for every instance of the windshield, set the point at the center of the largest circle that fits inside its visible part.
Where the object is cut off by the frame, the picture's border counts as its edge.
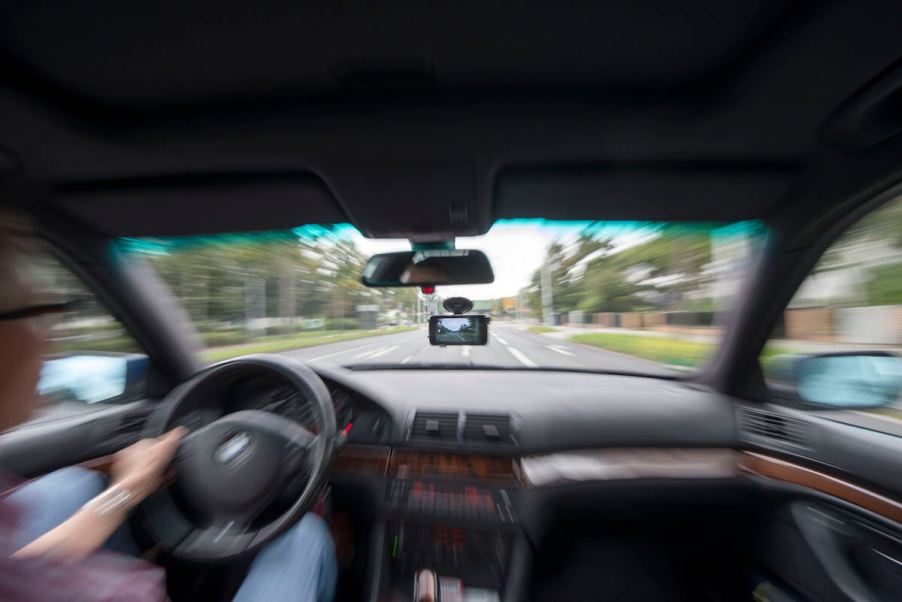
(608, 296)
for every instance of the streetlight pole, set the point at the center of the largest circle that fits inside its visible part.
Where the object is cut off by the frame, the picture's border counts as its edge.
(547, 298)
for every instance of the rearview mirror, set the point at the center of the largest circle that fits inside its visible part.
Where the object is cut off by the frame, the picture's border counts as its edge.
(844, 380)
(428, 268)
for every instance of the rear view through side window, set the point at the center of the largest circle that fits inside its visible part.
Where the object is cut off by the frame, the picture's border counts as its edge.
(838, 347)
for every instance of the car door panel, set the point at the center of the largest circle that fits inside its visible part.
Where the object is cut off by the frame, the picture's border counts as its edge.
(835, 531)
(40, 447)
(828, 553)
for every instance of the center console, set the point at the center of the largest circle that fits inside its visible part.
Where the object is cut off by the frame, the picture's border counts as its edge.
(453, 514)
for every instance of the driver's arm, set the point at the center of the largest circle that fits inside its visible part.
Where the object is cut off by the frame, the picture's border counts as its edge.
(137, 471)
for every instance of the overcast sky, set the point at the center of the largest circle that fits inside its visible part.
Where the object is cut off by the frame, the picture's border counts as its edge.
(515, 249)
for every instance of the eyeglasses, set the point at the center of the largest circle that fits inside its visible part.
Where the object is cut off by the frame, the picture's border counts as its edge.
(34, 311)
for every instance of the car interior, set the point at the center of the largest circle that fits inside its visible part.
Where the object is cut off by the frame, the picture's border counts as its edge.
(430, 122)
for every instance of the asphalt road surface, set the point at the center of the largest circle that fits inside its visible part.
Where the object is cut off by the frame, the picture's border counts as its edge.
(508, 346)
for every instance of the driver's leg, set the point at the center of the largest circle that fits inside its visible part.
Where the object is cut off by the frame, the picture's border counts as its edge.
(299, 566)
(47, 502)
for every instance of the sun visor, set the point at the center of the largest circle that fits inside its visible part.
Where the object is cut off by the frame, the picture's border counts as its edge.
(423, 202)
(177, 206)
(665, 192)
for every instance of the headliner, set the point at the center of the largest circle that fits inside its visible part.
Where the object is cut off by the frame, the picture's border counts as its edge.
(426, 120)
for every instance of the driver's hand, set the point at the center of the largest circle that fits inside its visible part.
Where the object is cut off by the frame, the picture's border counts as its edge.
(141, 467)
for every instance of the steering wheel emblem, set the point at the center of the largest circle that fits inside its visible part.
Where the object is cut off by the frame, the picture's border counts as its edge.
(235, 449)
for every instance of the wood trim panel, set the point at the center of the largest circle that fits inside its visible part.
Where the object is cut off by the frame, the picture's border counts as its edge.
(427, 464)
(597, 465)
(787, 472)
(361, 458)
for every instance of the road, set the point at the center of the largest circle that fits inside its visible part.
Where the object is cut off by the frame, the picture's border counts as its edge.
(508, 346)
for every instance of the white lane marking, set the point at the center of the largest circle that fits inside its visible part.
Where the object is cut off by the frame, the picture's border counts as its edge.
(407, 359)
(499, 339)
(370, 352)
(559, 349)
(465, 351)
(523, 359)
(351, 350)
(383, 351)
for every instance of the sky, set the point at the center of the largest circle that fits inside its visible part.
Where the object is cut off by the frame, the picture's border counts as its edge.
(515, 252)
(515, 249)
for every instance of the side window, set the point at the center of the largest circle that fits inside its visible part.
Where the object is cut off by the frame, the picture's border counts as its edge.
(90, 358)
(839, 346)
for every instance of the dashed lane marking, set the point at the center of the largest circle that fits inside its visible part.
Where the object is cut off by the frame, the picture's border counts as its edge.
(561, 350)
(383, 351)
(523, 359)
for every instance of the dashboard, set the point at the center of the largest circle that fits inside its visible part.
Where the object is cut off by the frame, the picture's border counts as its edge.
(468, 496)
(468, 506)
(548, 412)
(357, 418)
(529, 412)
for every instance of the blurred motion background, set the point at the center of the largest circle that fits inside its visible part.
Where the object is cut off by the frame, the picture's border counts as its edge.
(655, 291)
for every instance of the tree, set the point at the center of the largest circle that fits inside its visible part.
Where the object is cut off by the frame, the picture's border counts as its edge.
(590, 275)
(217, 278)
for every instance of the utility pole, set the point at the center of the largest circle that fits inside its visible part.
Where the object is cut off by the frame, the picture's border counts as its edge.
(520, 304)
(547, 299)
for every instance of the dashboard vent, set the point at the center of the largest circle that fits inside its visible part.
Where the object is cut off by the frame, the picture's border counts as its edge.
(431, 426)
(489, 428)
(773, 426)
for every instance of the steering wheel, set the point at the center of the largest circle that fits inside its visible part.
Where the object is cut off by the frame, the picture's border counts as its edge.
(230, 471)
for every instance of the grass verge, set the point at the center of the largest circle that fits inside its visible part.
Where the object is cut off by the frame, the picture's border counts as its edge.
(891, 412)
(665, 350)
(541, 329)
(275, 344)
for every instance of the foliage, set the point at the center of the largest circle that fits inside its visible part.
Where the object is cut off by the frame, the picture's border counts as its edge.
(116, 344)
(879, 228)
(342, 324)
(884, 285)
(230, 279)
(661, 271)
(223, 337)
(705, 305)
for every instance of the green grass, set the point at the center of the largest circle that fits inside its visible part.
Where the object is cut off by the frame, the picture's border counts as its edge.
(542, 329)
(664, 350)
(116, 344)
(275, 344)
(890, 412)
